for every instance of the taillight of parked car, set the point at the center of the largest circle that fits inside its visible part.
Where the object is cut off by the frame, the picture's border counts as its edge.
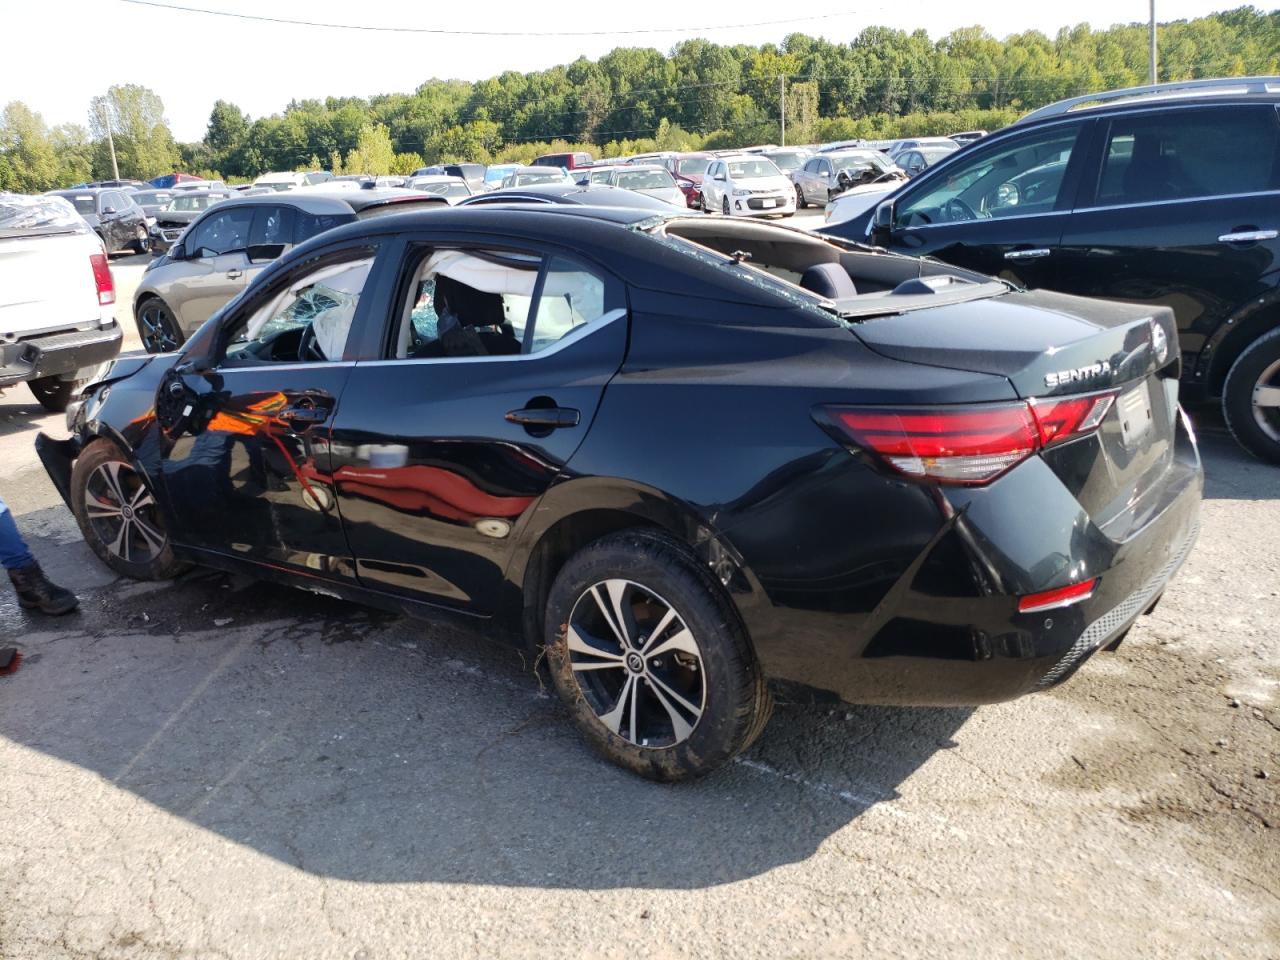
(102, 279)
(968, 444)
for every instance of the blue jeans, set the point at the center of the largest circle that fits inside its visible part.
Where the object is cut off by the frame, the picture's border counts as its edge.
(13, 549)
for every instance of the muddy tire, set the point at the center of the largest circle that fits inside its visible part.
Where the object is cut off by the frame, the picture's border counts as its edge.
(647, 652)
(1251, 398)
(118, 515)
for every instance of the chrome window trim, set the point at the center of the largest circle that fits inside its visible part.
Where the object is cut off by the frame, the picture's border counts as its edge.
(587, 329)
(288, 365)
(970, 223)
(1164, 203)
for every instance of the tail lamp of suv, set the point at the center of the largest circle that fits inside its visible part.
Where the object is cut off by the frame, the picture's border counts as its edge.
(102, 279)
(967, 444)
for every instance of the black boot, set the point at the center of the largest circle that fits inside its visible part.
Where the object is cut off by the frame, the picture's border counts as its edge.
(35, 591)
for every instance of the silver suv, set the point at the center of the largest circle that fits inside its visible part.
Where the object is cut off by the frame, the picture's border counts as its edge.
(219, 253)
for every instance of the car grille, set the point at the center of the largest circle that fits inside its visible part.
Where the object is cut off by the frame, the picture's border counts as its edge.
(1110, 623)
(757, 203)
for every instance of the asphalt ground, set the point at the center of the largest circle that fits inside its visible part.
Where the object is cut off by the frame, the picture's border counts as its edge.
(219, 768)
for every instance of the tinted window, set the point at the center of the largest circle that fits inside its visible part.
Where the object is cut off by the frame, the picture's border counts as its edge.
(271, 225)
(307, 225)
(1020, 176)
(220, 233)
(1183, 154)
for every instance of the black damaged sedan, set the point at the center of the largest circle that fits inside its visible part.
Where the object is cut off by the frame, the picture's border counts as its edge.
(684, 455)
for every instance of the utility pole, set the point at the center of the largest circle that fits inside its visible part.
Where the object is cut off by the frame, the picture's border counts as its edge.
(1153, 41)
(111, 143)
(782, 105)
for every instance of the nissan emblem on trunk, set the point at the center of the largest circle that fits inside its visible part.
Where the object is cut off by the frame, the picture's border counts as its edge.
(1159, 342)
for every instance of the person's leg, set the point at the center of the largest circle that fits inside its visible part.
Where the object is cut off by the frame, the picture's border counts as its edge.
(34, 589)
(13, 549)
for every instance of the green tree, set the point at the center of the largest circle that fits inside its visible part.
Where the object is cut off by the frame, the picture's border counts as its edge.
(373, 153)
(31, 161)
(143, 143)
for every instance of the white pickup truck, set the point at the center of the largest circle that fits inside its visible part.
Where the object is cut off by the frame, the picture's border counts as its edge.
(57, 299)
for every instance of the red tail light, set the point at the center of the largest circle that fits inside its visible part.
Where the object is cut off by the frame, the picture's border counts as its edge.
(1066, 418)
(967, 444)
(102, 279)
(1061, 597)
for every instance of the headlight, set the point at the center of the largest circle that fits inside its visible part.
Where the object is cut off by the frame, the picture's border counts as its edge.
(741, 193)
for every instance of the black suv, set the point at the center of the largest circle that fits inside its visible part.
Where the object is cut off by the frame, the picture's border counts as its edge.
(1166, 195)
(113, 215)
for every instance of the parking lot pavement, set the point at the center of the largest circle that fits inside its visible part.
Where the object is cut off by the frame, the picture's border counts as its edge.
(126, 271)
(217, 768)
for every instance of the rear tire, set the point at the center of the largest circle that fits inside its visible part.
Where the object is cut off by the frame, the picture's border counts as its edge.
(672, 703)
(55, 394)
(1252, 417)
(119, 516)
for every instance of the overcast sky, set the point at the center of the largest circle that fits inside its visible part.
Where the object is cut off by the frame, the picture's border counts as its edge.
(59, 54)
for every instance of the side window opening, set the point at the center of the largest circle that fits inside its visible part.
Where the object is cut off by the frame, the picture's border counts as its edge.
(1184, 154)
(489, 303)
(307, 320)
(1022, 177)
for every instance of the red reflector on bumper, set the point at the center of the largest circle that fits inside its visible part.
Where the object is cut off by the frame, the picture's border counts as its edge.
(1061, 597)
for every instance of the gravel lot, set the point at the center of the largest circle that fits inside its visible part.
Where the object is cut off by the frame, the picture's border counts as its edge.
(217, 768)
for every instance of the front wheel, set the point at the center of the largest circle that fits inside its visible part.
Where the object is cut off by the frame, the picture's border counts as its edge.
(724, 206)
(650, 658)
(119, 516)
(1251, 398)
(801, 202)
(142, 241)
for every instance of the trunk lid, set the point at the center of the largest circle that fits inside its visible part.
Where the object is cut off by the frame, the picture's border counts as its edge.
(1052, 345)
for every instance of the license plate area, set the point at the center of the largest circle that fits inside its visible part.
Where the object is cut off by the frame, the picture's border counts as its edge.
(768, 203)
(1133, 409)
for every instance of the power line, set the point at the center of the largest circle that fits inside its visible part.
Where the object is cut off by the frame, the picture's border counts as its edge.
(441, 31)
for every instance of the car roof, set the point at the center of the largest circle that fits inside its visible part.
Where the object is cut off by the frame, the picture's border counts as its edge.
(1214, 91)
(316, 200)
(573, 194)
(80, 191)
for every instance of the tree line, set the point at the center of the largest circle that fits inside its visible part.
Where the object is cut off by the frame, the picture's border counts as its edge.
(881, 84)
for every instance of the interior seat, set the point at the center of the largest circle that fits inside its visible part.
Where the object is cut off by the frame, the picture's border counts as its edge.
(829, 280)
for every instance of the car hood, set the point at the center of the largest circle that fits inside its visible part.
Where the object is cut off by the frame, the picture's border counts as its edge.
(177, 216)
(781, 184)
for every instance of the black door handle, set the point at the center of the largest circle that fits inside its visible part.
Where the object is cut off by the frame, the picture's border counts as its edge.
(547, 417)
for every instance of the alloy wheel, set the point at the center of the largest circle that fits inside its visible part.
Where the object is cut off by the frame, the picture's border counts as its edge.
(122, 513)
(636, 663)
(1266, 401)
(724, 206)
(156, 328)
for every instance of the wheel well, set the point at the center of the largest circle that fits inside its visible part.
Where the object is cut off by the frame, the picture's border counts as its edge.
(565, 538)
(1247, 330)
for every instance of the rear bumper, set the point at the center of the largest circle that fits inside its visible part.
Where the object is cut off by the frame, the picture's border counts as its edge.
(65, 353)
(18, 362)
(945, 629)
